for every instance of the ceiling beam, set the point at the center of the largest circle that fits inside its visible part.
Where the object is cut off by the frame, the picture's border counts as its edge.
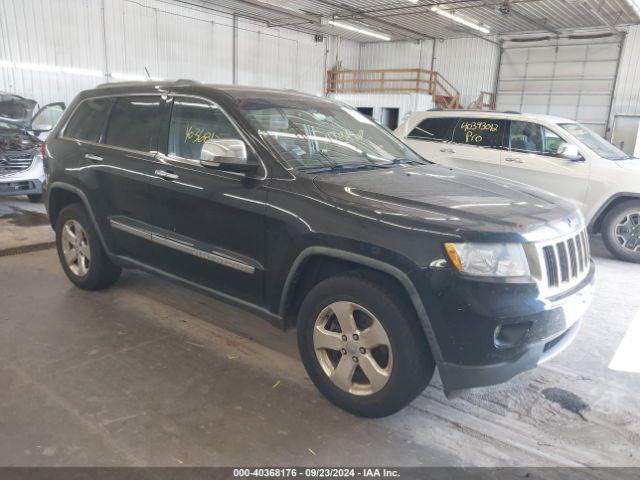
(538, 22)
(596, 13)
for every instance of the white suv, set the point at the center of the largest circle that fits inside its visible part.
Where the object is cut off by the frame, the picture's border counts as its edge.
(551, 153)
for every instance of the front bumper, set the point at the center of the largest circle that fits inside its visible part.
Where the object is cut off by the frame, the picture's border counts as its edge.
(473, 316)
(26, 182)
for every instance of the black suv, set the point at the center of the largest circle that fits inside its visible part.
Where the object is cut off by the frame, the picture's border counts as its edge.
(306, 212)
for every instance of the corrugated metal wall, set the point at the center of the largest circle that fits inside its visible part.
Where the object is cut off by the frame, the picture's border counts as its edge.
(470, 64)
(344, 52)
(627, 95)
(80, 43)
(397, 55)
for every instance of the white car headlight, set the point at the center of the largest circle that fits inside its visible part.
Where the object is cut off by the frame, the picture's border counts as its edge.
(489, 259)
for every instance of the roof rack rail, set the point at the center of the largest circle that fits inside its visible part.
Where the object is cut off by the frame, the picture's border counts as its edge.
(512, 111)
(180, 81)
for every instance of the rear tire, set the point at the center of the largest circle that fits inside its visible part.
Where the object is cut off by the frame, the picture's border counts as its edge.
(379, 380)
(35, 198)
(81, 254)
(621, 231)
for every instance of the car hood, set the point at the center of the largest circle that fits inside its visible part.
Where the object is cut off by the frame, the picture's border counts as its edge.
(451, 199)
(630, 164)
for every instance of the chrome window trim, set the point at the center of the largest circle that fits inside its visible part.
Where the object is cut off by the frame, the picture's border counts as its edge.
(165, 95)
(183, 247)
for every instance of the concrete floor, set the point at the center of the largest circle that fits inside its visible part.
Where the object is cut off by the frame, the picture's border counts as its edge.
(23, 225)
(148, 373)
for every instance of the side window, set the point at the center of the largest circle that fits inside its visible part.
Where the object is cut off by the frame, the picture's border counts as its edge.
(551, 142)
(437, 129)
(526, 137)
(480, 132)
(88, 120)
(135, 123)
(193, 122)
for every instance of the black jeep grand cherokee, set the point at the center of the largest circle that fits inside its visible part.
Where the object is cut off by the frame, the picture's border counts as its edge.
(306, 212)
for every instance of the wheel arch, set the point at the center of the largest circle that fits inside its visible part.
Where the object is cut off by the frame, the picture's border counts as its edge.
(60, 195)
(295, 287)
(595, 225)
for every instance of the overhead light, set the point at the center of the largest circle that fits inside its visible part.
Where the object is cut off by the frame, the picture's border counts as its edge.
(460, 20)
(635, 5)
(353, 28)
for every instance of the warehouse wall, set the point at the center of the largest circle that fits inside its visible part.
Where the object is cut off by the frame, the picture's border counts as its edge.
(470, 64)
(627, 94)
(81, 45)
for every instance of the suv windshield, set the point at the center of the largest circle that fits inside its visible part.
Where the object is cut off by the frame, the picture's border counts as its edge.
(594, 141)
(323, 134)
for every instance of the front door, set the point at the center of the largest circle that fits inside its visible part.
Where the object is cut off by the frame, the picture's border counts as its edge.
(531, 158)
(210, 225)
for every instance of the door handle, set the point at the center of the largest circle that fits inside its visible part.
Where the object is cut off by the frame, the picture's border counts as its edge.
(167, 175)
(93, 158)
(447, 150)
(513, 160)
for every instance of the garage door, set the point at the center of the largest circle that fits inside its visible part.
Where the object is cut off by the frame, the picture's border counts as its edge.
(572, 80)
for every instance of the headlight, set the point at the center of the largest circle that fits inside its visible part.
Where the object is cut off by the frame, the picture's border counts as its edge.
(489, 259)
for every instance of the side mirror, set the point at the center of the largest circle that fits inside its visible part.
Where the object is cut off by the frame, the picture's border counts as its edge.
(229, 155)
(570, 152)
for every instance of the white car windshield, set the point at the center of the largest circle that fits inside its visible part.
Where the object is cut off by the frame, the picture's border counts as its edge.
(594, 141)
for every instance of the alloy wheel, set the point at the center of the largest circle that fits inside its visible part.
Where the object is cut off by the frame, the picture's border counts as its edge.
(75, 247)
(627, 231)
(352, 348)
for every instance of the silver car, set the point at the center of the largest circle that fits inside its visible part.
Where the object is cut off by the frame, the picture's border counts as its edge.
(21, 139)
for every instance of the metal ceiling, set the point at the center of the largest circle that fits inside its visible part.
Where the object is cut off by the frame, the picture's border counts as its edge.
(406, 20)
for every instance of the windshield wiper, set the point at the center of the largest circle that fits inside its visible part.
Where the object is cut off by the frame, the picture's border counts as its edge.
(341, 167)
(398, 161)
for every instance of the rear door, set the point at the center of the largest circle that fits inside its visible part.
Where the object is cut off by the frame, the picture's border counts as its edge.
(122, 169)
(531, 158)
(209, 223)
(476, 145)
(431, 136)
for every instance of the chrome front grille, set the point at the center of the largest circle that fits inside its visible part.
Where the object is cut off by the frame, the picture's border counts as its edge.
(565, 261)
(15, 162)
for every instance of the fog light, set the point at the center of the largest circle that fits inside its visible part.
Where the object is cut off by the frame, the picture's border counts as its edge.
(507, 336)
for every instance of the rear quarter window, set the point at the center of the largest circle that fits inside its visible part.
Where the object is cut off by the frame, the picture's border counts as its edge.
(88, 120)
(436, 129)
(479, 132)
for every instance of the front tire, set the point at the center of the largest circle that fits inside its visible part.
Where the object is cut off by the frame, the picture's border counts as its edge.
(621, 231)
(35, 198)
(81, 254)
(362, 345)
